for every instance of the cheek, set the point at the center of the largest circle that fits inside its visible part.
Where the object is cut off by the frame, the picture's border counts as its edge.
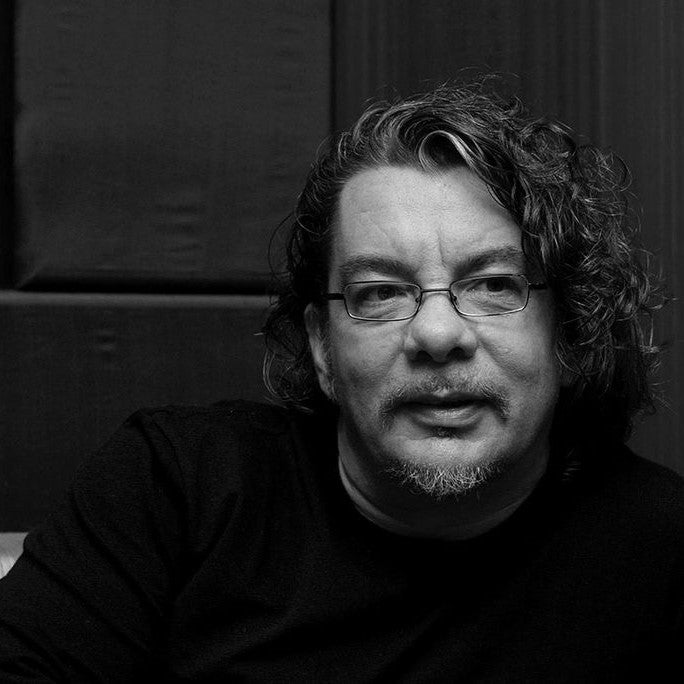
(363, 358)
(530, 364)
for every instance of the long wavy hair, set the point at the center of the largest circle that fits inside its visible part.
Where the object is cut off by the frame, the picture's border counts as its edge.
(570, 202)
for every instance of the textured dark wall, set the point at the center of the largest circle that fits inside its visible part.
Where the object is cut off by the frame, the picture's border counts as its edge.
(74, 366)
(158, 144)
(6, 142)
(156, 147)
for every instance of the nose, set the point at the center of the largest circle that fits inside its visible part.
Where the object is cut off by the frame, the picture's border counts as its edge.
(438, 332)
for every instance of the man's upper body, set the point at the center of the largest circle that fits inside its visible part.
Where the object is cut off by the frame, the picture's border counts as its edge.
(447, 496)
(220, 544)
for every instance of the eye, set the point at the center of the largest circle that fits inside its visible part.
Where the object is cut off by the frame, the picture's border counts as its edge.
(493, 285)
(385, 292)
(372, 293)
(497, 284)
(381, 300)
(492, 294)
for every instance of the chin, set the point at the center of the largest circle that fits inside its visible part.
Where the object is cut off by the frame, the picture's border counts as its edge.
(444, 474)
(442, 480)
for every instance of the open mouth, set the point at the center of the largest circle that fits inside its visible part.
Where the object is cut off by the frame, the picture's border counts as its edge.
(459, 413)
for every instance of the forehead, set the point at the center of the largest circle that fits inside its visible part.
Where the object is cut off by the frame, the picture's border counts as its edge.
(427, 224)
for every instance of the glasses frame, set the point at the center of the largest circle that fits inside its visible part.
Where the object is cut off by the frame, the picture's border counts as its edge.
(334, 296)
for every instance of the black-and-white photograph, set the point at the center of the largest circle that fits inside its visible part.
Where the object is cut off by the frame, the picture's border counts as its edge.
(342, 341)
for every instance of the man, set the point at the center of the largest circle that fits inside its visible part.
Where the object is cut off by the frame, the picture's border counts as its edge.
(445, 494)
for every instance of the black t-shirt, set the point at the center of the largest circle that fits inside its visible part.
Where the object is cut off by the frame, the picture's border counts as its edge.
(218, 544)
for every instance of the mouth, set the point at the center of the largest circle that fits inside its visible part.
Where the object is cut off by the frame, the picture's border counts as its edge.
(454, 412)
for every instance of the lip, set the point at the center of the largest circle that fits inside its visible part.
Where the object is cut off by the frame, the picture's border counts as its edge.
(454, 412)
(441, 398)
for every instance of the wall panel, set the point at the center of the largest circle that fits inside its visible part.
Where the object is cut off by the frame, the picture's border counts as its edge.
(6, 142)
(158, 144)
(150, 147)
(74, 366)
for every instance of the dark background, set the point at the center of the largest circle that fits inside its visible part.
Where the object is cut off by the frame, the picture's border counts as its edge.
(149, 148)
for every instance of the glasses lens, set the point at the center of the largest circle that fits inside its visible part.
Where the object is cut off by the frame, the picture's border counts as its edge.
(382, 301)
(490, 295)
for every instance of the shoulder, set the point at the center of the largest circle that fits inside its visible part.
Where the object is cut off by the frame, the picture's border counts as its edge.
(632, 496)
(638, 480)
(201, 465)
(195, 425)
(217, 441)
(188, 449)
(653, 488)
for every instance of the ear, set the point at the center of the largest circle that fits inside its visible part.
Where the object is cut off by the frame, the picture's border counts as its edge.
(317, 345)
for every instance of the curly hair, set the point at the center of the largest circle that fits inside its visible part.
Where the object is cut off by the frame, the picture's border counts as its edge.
(570, 202)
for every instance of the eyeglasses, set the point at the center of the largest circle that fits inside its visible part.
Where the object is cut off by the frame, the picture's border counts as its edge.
(386, 300)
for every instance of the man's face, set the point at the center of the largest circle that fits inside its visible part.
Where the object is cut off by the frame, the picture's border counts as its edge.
(438, 391)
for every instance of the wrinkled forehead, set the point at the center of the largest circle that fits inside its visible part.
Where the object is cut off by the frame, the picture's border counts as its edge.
(444, 219)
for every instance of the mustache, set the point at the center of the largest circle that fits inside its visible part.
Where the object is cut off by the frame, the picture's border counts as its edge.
(481, 389)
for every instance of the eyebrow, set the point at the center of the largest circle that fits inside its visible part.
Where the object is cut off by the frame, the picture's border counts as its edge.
(376, 263)
(499, 255)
